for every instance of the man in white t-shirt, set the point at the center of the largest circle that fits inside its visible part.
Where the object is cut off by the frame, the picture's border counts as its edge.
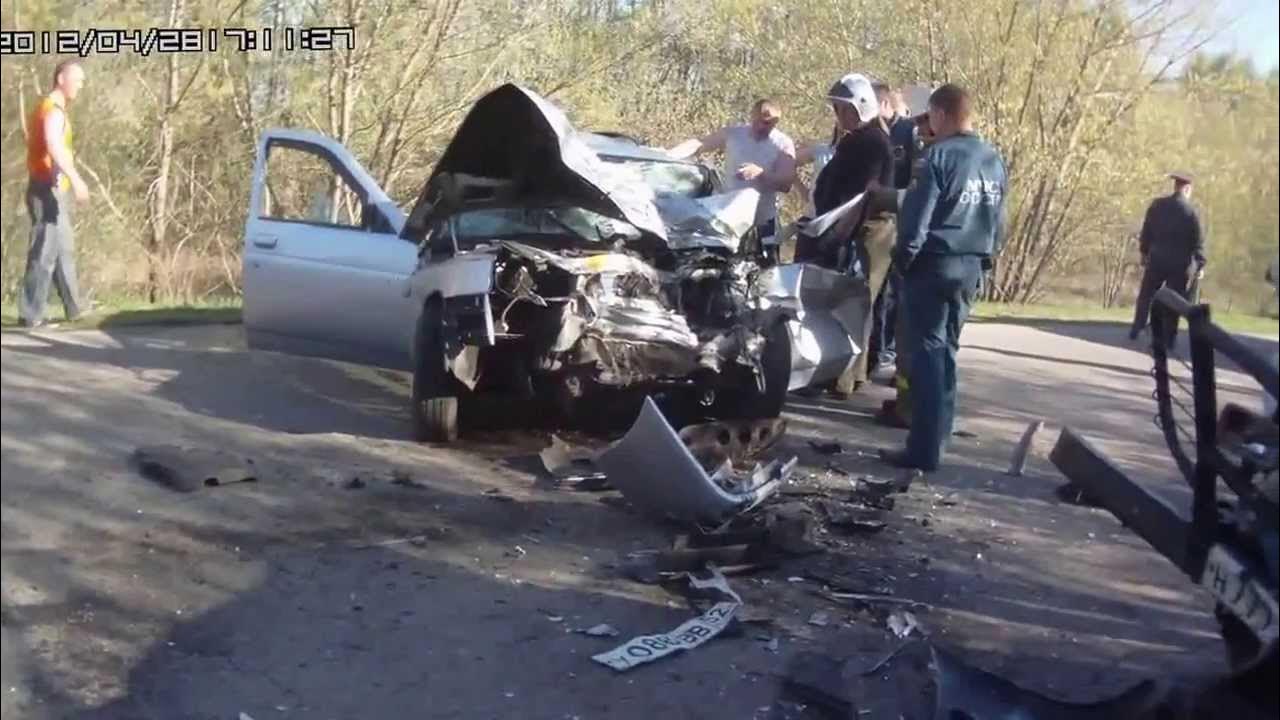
(757, 155)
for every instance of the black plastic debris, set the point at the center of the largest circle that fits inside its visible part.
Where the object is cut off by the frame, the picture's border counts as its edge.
(1073, 494)
(186, 469)
(402, 478)
(826, 447)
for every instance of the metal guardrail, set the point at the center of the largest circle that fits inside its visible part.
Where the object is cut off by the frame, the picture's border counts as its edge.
(1196, 451)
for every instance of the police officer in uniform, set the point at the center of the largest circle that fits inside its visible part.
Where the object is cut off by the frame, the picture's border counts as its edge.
(1172, 247)
(949, 229)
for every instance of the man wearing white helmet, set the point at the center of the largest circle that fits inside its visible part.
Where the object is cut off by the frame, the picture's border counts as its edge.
(863, 160)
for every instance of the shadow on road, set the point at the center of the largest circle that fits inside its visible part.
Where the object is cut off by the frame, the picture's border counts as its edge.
(1116, 335)
(223, 380)
(396, 601)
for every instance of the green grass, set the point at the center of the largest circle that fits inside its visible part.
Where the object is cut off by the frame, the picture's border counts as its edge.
(118, 313)
(1233, 322)
(227, 310)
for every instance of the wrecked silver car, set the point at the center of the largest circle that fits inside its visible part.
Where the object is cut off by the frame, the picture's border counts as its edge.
(540, 263)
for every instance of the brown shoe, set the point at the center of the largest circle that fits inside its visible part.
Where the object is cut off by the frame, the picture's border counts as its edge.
(889, 417)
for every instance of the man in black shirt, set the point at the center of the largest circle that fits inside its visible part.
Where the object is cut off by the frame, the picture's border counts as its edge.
(863, 159)
(1172, 246)
(882, 352)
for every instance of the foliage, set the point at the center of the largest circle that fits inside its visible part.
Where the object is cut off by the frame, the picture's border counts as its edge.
(1084, 98)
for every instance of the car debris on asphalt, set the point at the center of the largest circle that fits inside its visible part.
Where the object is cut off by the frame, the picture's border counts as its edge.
(1023, 448)
(689, 635)
(187, 469)
(820, 619)
(656, 471)
(826, 447)
(903, 624)
(566, 463)
(601, 630)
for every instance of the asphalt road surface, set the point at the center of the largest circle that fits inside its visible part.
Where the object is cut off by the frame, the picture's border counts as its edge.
(447, 582)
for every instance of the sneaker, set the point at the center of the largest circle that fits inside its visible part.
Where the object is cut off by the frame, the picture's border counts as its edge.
(90, 307)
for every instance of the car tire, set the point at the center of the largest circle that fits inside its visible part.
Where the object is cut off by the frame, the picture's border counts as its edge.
(775, 361)
(434, 394)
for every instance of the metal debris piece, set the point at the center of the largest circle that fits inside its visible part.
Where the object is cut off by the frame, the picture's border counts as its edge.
(851, 518)
(601, 630)
(186, 469)
(689, 635)
(731, 559)
(820, 619)
(832, 467)
(826, 447)
(498, 495)
(903, 623)
(1019, 460)
(567, 463)
(948, 500)
(655, 471)
(1073, 494)
(714, 443)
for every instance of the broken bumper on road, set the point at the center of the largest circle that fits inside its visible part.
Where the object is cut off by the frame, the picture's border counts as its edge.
(656, 471)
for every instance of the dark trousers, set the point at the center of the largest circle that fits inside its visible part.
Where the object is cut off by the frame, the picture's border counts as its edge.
(1177, 278)
(51, 257)
(874, 241)
(938, 293)
(883, 348)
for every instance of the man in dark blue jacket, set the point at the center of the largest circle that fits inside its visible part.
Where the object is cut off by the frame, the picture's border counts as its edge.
(949, 229)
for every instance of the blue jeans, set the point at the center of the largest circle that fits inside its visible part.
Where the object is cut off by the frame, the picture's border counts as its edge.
(883, 346)
(51, 258)
(938, 293)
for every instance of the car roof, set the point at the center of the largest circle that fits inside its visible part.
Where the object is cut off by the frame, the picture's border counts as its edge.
(621, 147)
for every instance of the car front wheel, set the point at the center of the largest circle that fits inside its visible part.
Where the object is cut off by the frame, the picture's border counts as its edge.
(749, 402)
(435, 390)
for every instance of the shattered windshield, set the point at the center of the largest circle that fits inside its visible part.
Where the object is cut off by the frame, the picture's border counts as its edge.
(502, 223)
(667, 178)
(680, 192)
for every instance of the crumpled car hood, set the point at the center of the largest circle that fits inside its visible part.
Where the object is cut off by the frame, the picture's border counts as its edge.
(527, 149)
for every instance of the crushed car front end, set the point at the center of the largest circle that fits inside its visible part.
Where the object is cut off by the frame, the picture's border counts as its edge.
(557, 269)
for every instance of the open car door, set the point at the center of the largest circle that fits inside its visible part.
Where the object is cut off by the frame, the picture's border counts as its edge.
(325, 268)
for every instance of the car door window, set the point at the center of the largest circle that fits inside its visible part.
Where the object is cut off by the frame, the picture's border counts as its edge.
(305, 187)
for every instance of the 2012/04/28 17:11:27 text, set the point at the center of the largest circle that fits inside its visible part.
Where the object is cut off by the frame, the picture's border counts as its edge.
(168, 40)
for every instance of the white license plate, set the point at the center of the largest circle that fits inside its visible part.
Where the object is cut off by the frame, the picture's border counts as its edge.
(1229, 581)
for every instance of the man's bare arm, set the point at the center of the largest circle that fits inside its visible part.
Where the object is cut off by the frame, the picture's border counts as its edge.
(689, 148)
(806, 154)
(53, 124)
(779, 177)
